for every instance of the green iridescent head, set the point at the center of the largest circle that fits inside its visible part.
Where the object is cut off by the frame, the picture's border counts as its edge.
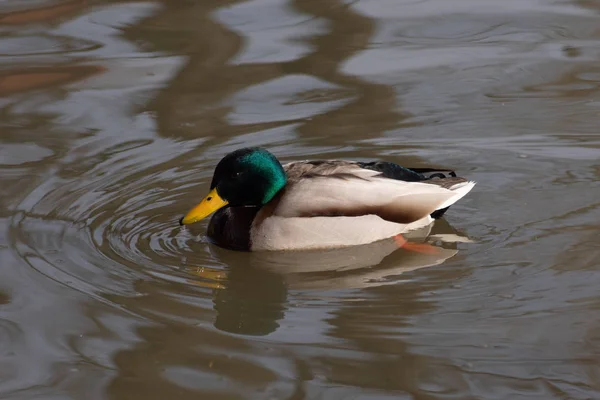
(246, 177)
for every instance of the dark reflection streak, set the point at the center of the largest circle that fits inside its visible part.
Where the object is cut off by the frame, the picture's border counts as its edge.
(376, 109)
(22, 80)
(189, 106)
(42, 14)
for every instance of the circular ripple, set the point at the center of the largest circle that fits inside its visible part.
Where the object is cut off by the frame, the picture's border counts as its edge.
(113, 225)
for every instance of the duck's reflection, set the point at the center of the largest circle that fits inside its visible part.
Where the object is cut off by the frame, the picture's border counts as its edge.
(251, 296)
(251, 302)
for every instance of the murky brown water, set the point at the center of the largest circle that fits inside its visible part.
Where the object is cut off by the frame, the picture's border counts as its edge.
(114, 113)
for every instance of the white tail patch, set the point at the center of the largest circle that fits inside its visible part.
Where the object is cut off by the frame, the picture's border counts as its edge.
(460, 190)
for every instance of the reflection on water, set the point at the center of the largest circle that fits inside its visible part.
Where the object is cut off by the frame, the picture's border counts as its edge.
(251, 296)
(114, 114)
(16, 81)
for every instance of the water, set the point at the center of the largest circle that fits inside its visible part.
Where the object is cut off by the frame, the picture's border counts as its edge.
(114, 113)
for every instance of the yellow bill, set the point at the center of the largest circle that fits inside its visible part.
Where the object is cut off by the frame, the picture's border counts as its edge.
(211, 203)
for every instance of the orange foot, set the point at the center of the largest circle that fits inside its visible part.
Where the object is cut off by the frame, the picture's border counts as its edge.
(424, 248)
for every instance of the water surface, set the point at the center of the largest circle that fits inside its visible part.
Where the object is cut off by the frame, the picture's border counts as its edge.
(114, 113)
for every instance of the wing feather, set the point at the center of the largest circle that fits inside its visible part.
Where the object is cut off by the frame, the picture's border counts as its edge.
(345, 188)
(392, 200)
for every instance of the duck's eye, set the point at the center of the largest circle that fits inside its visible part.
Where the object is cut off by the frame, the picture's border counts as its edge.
(235, 174)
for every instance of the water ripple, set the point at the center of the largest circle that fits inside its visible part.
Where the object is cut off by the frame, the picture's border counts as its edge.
(115, 114)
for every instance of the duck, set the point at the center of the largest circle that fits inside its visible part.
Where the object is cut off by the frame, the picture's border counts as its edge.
(259, 204)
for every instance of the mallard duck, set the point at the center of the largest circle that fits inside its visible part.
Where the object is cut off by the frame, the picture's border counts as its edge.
(259, 204)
